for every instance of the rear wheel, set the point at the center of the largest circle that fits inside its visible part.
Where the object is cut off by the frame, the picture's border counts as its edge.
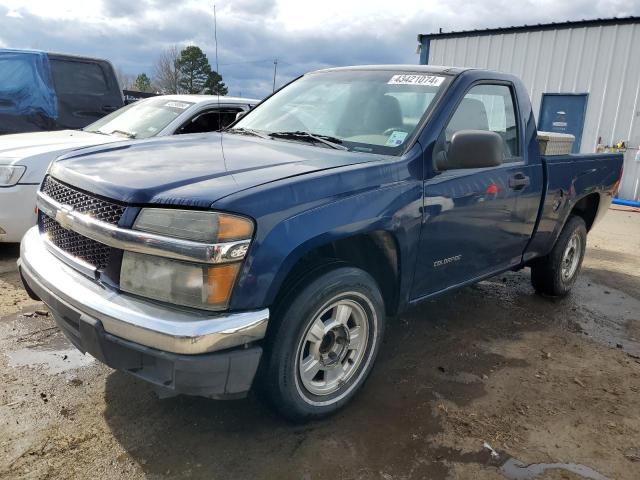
(556, 273)
(324, 344)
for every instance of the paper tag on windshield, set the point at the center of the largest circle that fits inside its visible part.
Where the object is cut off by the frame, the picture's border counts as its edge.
(429, 80)
(396, 138)
(179, 105)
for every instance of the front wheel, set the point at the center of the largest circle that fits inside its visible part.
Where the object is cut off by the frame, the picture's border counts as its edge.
(324, 344)
(556, 273)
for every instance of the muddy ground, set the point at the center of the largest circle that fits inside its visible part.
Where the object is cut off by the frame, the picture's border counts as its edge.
(541, 381)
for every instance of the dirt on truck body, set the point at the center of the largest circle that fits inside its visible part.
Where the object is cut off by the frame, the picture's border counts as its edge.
(488, 382)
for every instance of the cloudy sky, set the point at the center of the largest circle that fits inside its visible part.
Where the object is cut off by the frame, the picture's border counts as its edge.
(302, 35)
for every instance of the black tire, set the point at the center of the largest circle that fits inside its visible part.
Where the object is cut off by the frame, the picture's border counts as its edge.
(281, 378)
(547, 274)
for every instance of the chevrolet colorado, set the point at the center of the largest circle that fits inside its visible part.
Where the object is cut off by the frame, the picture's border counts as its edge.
(271, 253)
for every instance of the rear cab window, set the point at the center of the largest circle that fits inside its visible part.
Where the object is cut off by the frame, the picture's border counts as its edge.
(78, 77)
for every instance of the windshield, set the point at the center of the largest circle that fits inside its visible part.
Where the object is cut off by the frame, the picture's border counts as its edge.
(142, 119)
(367, 111)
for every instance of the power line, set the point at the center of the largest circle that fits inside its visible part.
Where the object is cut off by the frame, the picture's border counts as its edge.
(248, 61)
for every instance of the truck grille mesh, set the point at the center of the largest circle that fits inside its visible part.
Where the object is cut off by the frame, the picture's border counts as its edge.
(82, 202)
(76, 245)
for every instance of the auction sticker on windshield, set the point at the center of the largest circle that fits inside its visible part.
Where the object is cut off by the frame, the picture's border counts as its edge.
(430, 80)
(396, 138)
(180, 105)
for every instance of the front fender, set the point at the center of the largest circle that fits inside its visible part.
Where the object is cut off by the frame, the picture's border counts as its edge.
(394, 208)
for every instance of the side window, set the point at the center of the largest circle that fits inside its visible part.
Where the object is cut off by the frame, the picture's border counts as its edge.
(80, 78)
(491, 108)
(209, 121)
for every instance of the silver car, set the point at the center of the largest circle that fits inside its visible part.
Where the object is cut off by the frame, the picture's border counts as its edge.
(25, 157)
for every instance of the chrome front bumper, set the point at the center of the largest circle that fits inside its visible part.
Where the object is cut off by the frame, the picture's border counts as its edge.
(144, 322)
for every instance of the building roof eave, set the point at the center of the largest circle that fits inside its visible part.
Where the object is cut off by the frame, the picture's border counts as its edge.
(596, 22)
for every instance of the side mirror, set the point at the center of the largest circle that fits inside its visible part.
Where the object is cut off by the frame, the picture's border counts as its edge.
(239, 115)
(472, 149)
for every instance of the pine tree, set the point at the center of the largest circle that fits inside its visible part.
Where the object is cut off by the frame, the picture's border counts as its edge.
(195, 70)
(142, 83)
(215, 85)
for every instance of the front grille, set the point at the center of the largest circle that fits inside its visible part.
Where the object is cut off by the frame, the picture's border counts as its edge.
(76, 245)
(83, 202)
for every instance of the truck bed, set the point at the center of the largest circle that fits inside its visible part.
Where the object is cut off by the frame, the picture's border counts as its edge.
(568, 180)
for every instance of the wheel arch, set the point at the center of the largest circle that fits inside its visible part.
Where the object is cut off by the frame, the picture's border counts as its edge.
(586, 208)
(377, 252)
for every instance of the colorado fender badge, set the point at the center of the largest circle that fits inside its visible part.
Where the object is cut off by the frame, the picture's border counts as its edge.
(446, 261)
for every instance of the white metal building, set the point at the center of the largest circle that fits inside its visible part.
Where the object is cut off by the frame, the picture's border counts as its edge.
(583, 77)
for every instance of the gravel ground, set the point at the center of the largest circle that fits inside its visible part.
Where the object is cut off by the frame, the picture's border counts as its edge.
(553, 384)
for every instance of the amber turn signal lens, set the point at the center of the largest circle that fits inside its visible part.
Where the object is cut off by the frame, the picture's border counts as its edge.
(220, 281)
(231, 227)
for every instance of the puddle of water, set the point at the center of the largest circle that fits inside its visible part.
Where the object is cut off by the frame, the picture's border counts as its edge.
(514, 469)
(608, 316)
(52, 361)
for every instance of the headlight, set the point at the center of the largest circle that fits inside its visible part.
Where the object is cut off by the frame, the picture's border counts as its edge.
(208, 227)
(206, 286)
(11, 174)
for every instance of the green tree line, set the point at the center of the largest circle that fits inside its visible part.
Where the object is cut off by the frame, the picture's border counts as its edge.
(179, 71)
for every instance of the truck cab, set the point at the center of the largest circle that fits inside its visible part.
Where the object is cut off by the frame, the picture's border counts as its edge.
(42, 91)
(269, 255)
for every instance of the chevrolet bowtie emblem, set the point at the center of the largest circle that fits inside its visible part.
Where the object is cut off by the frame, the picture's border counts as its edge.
(64, 216)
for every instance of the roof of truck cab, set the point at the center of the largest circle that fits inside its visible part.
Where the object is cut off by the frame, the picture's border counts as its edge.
(51, 54)
(210, 98)
(399, 68)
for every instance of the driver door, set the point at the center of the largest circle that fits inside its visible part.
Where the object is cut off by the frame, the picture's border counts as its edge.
(476, 221)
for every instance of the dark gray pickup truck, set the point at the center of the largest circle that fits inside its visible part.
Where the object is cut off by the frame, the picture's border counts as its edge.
(269, 255)
(42, 91)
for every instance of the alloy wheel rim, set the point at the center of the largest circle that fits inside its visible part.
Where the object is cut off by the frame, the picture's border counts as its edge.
(571, 257)
(333, 347)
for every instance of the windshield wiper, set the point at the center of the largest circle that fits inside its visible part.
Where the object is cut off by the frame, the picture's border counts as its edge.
(332, 142)
(94, 131)
(122, 132)
(246, 131)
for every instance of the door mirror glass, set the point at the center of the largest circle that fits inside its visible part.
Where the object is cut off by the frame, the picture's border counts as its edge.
(472, 149)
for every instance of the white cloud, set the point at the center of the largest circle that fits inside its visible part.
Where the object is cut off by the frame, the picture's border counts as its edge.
(303, 35)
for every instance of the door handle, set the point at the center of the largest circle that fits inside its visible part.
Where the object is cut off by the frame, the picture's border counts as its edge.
(519, 181)
(109, 108)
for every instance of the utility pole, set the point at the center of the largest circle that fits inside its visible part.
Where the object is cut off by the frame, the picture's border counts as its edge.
(275, 69)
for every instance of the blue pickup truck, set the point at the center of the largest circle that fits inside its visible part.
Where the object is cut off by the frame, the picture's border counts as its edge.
(269, 255)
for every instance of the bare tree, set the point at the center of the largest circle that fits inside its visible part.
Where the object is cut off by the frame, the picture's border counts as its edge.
(166, 71)
(124, 79)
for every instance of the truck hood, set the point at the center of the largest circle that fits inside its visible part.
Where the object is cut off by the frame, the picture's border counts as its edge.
(193, 170)
(37, 150)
